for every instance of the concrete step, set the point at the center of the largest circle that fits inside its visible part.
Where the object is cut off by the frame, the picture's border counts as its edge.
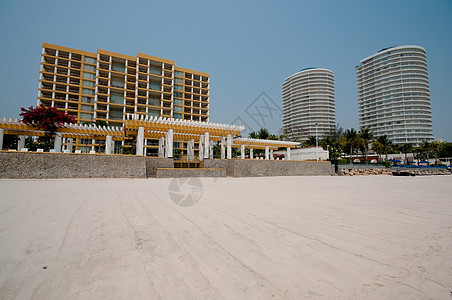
(192, 172)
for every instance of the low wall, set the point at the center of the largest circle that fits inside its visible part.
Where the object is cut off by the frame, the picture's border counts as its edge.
(153, 163)
(59, 165)
(17, 165)
(256, 168)
(179, 173)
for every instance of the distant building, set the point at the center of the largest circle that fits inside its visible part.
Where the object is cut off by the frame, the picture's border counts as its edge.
(308, 103)
(393, 95)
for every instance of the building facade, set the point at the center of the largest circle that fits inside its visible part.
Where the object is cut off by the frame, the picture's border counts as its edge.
(393, 95)
(308, 103)
(106, 86)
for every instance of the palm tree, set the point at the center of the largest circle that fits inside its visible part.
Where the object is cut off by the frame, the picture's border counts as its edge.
(366, 135)
(310, 142)
(426, 147)
(436, 148)
(405, 148)
(377, 147)
(351, 138)
(263, 134)
(385, 145)
(253, 135)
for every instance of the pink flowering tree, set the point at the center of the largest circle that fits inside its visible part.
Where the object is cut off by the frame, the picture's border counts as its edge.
(47, 119)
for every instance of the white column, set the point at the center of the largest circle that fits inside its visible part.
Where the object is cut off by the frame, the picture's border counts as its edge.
(206, 145)
(57, 142)
(251, 153)
(108, 140)
(271, 154)
(222, 142)
(288, 154)
(161, 147)
(70, 144)
(170, 143)
(211, 149)
(229, 146)
(201, 147)
(267, 154)
(2, 133)
(166, 145)
(190, 150)
(242, 151)
(21, 142)
(139, 145)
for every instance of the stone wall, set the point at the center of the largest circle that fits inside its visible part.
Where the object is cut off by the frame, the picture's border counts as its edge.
(178, 173)
(152, 163)
(59, 165)
(256, 168)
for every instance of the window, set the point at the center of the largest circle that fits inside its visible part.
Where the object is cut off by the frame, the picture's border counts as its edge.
(178, 108)
(117, 82)
(117, 98)
(178, 94)
(179, 74)
(89, 75)
(89, 68)
(118, 67)
(116, 114)
(178, 80)
(87, 99)
(87, 107)
(153, 113)
(155, 70)
(154, 85)
(177, 116)
(85, 141)
(155, 102)
(88, 83)
(178, 102)
(87, 91)
(86, 116)
(90, 60)
(178, 87)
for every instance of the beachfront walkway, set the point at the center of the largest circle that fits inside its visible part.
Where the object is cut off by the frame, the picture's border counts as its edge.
(259, 238)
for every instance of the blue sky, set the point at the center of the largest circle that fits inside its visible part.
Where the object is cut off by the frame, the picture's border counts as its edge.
(248, 47)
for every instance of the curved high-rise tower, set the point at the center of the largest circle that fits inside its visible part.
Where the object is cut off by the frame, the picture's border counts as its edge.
(308, 103)
(393, 95)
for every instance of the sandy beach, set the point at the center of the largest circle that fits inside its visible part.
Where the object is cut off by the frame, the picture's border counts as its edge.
(374, 237)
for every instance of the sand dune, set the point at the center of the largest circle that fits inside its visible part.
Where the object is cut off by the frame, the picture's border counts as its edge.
(378, 237)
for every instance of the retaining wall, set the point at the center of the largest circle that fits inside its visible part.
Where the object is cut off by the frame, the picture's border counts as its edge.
(256, 168)
(179, 173)
(16, 165)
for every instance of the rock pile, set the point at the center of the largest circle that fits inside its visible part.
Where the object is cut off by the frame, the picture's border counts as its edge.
(414, 172)
(421, 172)
(366, 172)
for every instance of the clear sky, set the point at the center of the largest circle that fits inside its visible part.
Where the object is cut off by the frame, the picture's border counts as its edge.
(248, 47)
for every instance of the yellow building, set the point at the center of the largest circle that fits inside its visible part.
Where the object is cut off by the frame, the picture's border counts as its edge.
(105, 86)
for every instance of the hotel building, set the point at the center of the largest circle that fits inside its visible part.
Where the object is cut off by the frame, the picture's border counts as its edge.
(106, 86)
(308, 103)
(393, 95)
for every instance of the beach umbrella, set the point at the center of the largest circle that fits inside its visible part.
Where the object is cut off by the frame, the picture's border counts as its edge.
(373, 161)
(424, 162)
(396, 160)
(356, 160)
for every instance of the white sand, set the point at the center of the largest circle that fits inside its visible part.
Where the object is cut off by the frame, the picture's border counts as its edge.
(377, 237)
